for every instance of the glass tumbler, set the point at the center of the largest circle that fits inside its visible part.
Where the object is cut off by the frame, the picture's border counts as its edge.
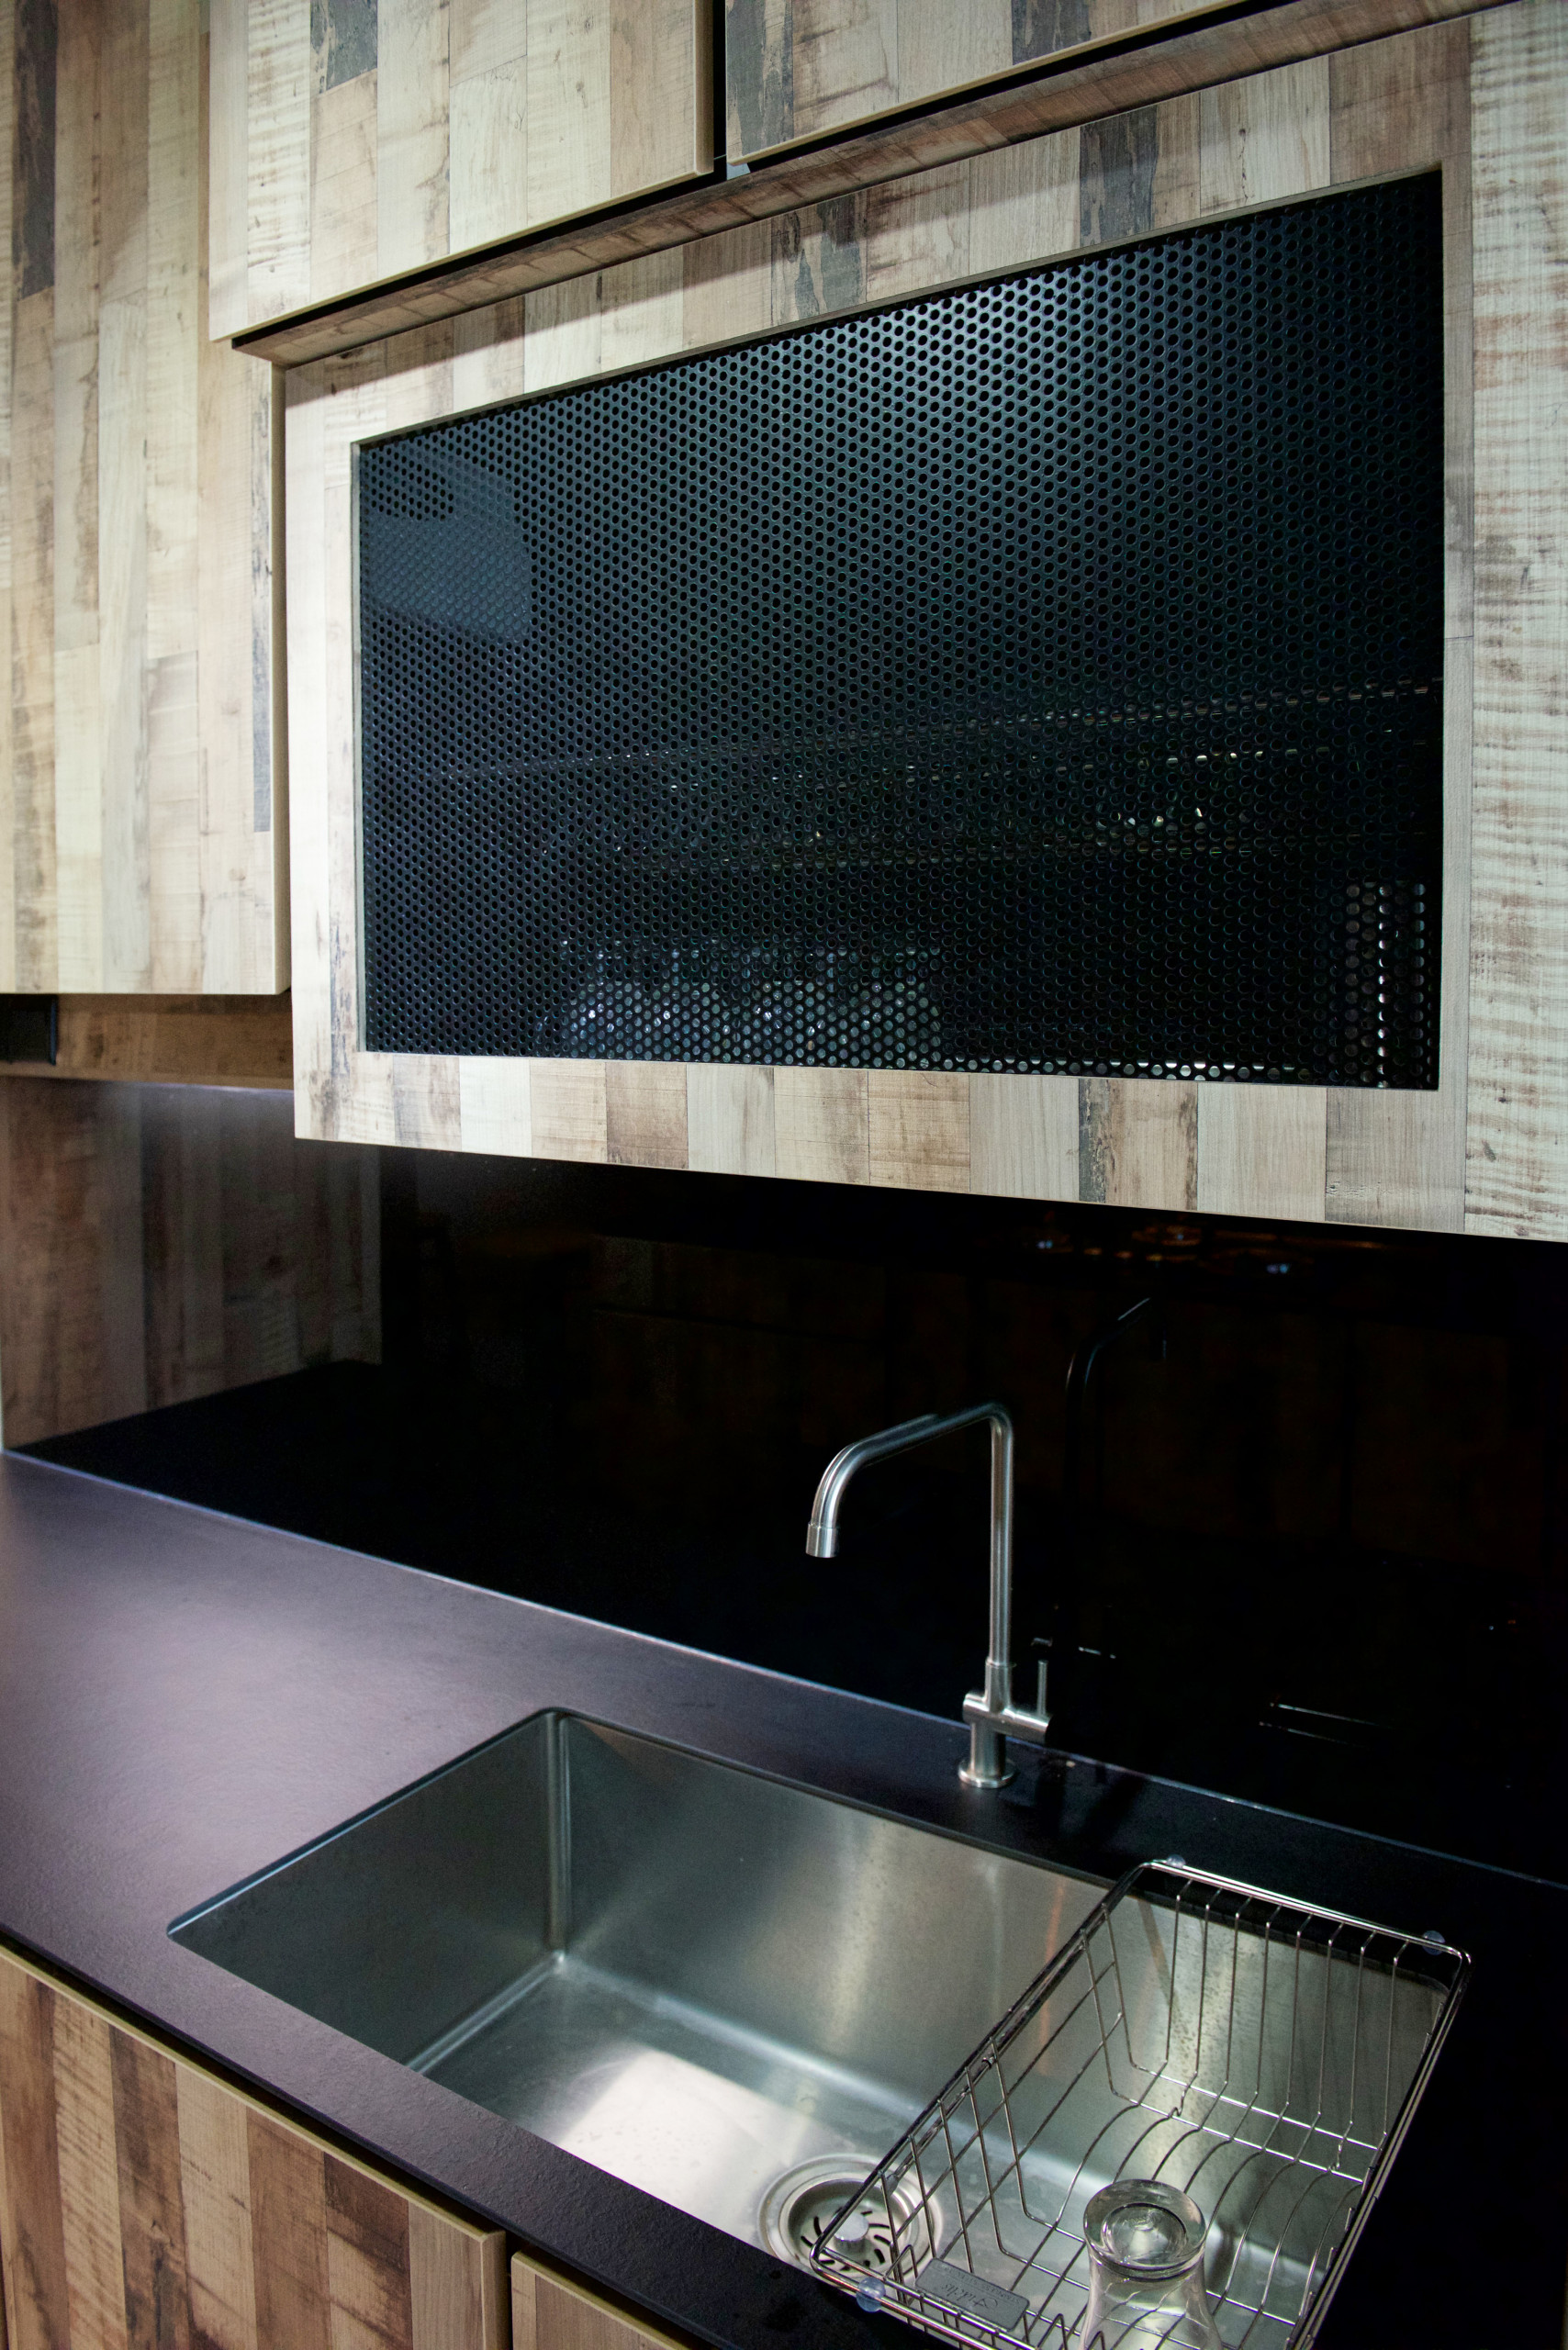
(1146, 2264)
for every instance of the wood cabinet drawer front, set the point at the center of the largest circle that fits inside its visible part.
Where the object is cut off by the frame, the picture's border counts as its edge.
(352, 144)
(144, 2201)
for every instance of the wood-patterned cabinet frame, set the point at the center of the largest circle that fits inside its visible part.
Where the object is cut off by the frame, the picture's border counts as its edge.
(143, 2200)
(1481, 99)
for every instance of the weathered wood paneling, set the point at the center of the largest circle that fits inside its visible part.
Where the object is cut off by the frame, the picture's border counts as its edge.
(159, 1243)
(8, 94)
(730, 1120)
(141, 834)
(142, 2201)
(1516, 1173)
(72, 1348)
(171, 1040)
(1398, 1158)
(1384, 107)
(372, 139)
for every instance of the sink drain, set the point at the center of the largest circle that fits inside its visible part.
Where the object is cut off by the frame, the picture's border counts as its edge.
(801, 2206)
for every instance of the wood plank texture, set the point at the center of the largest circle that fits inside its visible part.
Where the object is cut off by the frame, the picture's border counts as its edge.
(144, 2205)
(277, 153)
(36, 958)
(161, 1243)
(1261, 1150)
(288, 2235)
(229, 66)
(822, 1124)
(138, 846)
(549, 2313)
(1517, 1171)
(1382, 106)
(1138, 1143)
(9, 93)
(797, 68)
(1188, 59)
(411, 118)
(1398, 1158)
(89, 2176)
(644, 1113)
(1266, 138)
(570, 1114)
(151, 2213)
(918, 1129)
(1023, 1136)
(729, 1120)
(32, 2218)
(215, 2191)
(495, 1106)
(457, 2281)
(373, 142)
(173, 1040)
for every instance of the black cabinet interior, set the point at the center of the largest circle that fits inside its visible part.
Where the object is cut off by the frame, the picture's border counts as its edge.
(1043, 675)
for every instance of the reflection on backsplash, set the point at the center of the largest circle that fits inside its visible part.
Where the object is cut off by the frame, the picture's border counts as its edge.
(621, 1386)
(707, 1000)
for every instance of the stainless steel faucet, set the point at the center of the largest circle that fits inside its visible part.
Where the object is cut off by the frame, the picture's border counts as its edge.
(990, 1714)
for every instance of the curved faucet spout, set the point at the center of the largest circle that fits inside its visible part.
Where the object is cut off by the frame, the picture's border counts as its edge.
(990, 1714)
(822, 1533)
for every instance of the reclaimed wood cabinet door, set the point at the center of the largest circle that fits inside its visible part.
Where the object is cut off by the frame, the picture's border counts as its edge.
(549, 2315)
(142, 815)
(359, 140)
(144, 2201)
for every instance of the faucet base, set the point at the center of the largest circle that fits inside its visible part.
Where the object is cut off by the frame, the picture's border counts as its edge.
(988, 1765)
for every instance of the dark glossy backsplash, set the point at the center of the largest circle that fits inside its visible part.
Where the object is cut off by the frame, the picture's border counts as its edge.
(1309, 1545)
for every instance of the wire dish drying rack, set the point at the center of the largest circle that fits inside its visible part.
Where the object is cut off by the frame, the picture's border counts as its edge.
(1263, 2056)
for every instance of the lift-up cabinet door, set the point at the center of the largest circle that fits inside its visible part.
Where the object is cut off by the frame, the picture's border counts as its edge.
(793, 72)
(141, 2198)
(352, 144)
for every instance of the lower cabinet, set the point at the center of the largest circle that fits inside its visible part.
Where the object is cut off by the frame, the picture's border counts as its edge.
(144, 2202)
(549, 2315)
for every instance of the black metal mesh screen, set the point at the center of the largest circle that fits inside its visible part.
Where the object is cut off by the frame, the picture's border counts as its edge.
(1042, 676)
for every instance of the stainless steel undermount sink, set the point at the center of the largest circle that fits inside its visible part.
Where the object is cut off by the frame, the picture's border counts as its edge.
(694, 1976)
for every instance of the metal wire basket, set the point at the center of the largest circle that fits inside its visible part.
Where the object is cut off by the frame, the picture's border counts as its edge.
(1262, 2056)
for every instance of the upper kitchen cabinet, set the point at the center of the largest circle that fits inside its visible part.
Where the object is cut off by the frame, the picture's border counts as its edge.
(749, 766)
(143, 843)
(356, 142)
(797, 68)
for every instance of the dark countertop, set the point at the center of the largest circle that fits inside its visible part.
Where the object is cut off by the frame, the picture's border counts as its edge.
(185, 1698)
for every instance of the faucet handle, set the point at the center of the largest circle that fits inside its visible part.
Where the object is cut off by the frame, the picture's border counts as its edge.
(1011, 1721)
(992, 1724)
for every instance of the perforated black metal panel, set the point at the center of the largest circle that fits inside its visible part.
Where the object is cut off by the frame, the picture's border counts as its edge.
(1042, 676)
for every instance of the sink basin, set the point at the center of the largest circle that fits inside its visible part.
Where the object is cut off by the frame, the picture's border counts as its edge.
(695, 1976)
